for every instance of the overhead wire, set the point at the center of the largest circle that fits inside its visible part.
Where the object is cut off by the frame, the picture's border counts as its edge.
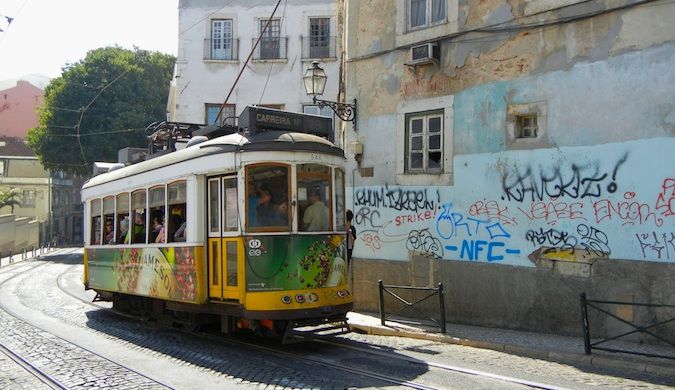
(269, 73)
(255, 45)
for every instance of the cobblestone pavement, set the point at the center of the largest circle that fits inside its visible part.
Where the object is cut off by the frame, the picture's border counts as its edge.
(166, 348)
(14, 377)
(511, 365)
(163, 351)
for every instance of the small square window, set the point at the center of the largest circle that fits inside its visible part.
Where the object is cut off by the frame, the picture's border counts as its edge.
(526, 126)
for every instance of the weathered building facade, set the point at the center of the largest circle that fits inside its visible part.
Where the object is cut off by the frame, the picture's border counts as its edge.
(531, 155)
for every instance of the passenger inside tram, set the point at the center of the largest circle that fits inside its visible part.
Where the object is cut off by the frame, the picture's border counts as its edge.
(269, 211)
(139, 226)
(315, 218)
(158, 234)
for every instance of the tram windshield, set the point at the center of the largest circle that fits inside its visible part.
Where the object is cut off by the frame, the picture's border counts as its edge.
(314, 198)
(267, 197)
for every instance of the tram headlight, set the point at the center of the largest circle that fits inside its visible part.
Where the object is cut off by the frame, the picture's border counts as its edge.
(300, 298)
(286, 299)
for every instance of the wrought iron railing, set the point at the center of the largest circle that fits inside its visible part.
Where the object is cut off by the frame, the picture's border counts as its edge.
(411, 304)
(221, 50)
(270, 48)
(318, 47)
(589, 345)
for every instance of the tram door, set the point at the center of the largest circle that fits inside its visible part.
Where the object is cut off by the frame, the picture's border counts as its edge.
(225, 246)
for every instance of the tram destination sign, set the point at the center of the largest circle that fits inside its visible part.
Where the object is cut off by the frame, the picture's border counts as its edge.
(258, 119)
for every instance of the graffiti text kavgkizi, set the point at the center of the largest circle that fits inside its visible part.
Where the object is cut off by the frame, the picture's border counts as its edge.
(397, 199)
(557, 182)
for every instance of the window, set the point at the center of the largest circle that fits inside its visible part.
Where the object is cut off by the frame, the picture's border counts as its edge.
(177, 212)
(157, 202)
(314, 198)
(424, 13)
(230, 210)
(2, 168)
(267, 197)
(319, 37)
(339, 188)
(424, 137)
(28, 198)
(227, 117)
(95, 208)
(139, 219)
(221, 39)
(270, 41)
(526, 126)
(123, 222)
(273, 106)
(108, 220)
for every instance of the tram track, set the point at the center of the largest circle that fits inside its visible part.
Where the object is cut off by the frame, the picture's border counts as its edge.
(42, 337)
(324, 362)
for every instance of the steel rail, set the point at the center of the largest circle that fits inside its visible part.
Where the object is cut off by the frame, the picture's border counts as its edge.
(4, 308)
(41, 375)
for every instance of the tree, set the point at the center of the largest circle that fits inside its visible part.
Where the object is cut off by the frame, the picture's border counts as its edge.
(8, 198)
(100, 105)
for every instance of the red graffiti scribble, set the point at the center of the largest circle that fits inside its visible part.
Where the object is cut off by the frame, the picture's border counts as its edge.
(492, 211)
(553, 211)
(372, 241)
(630, 211)
(665, 202)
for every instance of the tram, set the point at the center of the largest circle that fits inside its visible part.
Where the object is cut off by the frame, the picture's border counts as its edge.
(244, 226)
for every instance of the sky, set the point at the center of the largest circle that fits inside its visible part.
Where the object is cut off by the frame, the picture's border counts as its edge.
(45, 35)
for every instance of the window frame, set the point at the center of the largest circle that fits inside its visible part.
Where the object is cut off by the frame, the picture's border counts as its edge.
(425, 135)
(428, 14)
(319, 37)
(273, 228)
(273, 32)
(223, 37)
(328, 181)
(225, 119)
(28, 200)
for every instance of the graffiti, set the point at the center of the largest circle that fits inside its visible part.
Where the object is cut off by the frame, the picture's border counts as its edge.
(412, 218)
(653, 245)
(371, 240)
(423, 241)
(491, 209)
(628, 211)
(365, 217)
(594, 240)
(665, 202)
(451, 224)
(590, 239)
(397, 199)
(552, 211)
(576, 182)
(558, 240)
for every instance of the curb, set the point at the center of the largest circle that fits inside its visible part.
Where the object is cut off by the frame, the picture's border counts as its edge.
(599, 361)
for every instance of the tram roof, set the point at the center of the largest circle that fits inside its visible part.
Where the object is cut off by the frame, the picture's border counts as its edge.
(277, 141)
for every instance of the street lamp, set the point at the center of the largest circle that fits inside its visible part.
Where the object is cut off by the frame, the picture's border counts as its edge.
(315, 82)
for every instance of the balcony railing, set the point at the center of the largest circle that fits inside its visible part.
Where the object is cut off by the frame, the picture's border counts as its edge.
(221, 50)
(270, 48)
(313, 47)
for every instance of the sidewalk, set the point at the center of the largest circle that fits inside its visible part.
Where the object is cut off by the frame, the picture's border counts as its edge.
(563, 349)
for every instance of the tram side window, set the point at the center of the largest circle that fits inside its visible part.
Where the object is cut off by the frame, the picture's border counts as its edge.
(177, 212)
(157, 233)
(267, 197)
(314, 198)
(138, 224)
(123, 222)
(108, 220)
(96, 222)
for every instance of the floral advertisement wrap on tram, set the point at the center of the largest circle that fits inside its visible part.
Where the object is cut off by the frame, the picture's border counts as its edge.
(169, 273)
(296, 262)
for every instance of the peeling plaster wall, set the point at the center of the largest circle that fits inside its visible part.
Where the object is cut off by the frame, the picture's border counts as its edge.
(513, 227)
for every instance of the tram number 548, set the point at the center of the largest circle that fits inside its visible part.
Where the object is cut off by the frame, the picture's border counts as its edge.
(315, 157)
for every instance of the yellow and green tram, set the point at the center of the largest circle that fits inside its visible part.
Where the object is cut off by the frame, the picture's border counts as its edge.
(245, 227)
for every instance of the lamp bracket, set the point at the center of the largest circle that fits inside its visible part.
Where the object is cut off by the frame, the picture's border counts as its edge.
(345, 111)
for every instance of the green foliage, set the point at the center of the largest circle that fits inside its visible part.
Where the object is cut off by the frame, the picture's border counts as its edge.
(8, 198)
(89, 109)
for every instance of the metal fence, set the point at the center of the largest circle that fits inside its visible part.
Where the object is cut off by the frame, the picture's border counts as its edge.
(649, 329)
(406, 304)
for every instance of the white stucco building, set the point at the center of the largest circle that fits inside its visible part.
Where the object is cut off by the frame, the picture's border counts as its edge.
(216, 38)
